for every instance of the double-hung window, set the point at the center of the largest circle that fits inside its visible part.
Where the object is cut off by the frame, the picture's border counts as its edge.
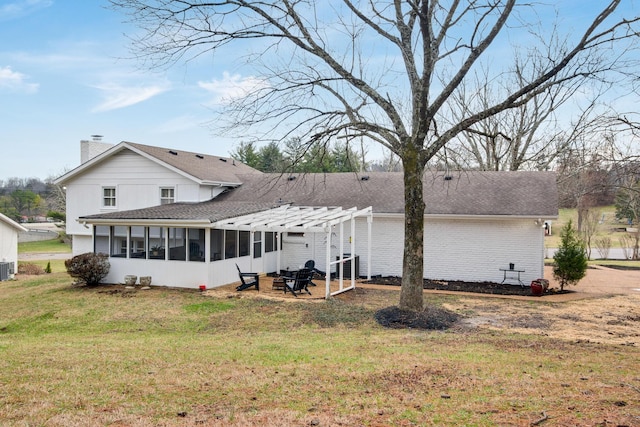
(109, 197)
(167, 195)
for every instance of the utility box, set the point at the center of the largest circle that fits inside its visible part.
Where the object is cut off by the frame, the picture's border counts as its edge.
(6, 270)
(347, 266)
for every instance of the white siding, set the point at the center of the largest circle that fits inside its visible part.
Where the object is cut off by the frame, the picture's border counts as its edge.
(476, 250)
(178, 274)
(463, 249)
(81, 244)
(8, 244)
(137, 181)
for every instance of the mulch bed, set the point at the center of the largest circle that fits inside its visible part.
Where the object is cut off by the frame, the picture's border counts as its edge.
(461, 286)
(432, 318)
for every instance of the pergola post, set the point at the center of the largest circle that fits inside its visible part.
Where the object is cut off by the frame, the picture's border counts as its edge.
(369, 233)
(327, 276)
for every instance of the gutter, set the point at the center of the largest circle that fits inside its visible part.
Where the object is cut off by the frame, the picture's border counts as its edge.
(147, 222)
(468, 216)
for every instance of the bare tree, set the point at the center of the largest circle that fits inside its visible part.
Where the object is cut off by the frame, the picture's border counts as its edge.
(590, 227)
(530, 136)
(389, 163)
(319, 80)
(603, 246)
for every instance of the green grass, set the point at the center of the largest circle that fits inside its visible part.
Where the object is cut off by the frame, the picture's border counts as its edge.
(80, 356)
(607, 228)
(44, 246)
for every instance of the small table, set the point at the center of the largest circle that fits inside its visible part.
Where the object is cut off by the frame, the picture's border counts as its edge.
(510, 274)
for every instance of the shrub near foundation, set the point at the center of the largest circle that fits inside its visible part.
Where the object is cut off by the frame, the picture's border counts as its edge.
(88, 268)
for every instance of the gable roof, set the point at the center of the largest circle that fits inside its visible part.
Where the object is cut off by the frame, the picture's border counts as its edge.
(201, 168)
(11, 223)
(524, 194)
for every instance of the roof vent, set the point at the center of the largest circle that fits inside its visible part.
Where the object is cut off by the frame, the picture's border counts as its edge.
(173, 152)
(364, 178)
(448, 177)
(200, 156)
(291, 178)
(223, 160)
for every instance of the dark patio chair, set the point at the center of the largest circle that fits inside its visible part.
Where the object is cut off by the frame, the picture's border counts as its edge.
(299, 282)
(246, 284)
(311, 265)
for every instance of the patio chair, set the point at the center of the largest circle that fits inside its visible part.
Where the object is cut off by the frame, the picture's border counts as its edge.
(246, 284)
(311, 265)
(298, 283)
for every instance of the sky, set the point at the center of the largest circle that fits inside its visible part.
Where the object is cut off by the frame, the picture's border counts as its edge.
(66, 73)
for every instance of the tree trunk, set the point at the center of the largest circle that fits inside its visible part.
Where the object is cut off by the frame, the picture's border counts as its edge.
(413, 267)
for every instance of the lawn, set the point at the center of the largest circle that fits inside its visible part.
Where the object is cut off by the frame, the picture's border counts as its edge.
(606, 227)
(44, 246)
(98, 356)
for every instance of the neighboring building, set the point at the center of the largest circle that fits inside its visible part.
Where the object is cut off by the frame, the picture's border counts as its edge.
(9, 230)
(475, 222)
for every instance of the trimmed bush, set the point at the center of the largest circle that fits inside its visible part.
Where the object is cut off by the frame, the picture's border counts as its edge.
(89, 268)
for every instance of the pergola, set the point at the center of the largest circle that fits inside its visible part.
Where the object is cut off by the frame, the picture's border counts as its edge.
(303, 219)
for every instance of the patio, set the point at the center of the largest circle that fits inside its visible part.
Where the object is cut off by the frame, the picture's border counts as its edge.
(267, 290)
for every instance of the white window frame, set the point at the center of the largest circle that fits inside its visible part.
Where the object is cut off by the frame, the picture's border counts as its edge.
(166, 200)
(113, 197)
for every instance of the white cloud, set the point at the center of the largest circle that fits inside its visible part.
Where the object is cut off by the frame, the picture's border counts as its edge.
(180, 124)
(232, 87)
(16, 9)
(117, 96)
(15, 81)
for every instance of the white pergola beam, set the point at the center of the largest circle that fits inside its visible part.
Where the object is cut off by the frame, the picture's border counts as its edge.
(309, 219)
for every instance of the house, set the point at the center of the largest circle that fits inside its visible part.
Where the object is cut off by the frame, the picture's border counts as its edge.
(476, 223)
(9, 230)
(131, 176)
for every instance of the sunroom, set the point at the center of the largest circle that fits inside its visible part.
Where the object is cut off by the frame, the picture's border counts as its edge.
(203, 248)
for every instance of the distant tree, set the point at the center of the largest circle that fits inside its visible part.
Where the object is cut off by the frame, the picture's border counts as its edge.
(25, 201)
(345, 159)
(570, 260)
(57, 216)
(590, 227)
(583, 179)
(271, 158)
(628, 203)
(247, 154)
(389, 163)
(528, 137)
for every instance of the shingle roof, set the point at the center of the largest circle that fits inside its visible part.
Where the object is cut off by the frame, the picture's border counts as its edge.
(211, 210)
(460, 193)
(204, 168)
(531, 194)
(201, 166)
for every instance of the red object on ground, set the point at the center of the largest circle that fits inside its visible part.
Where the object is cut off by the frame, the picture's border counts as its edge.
(536, 288)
